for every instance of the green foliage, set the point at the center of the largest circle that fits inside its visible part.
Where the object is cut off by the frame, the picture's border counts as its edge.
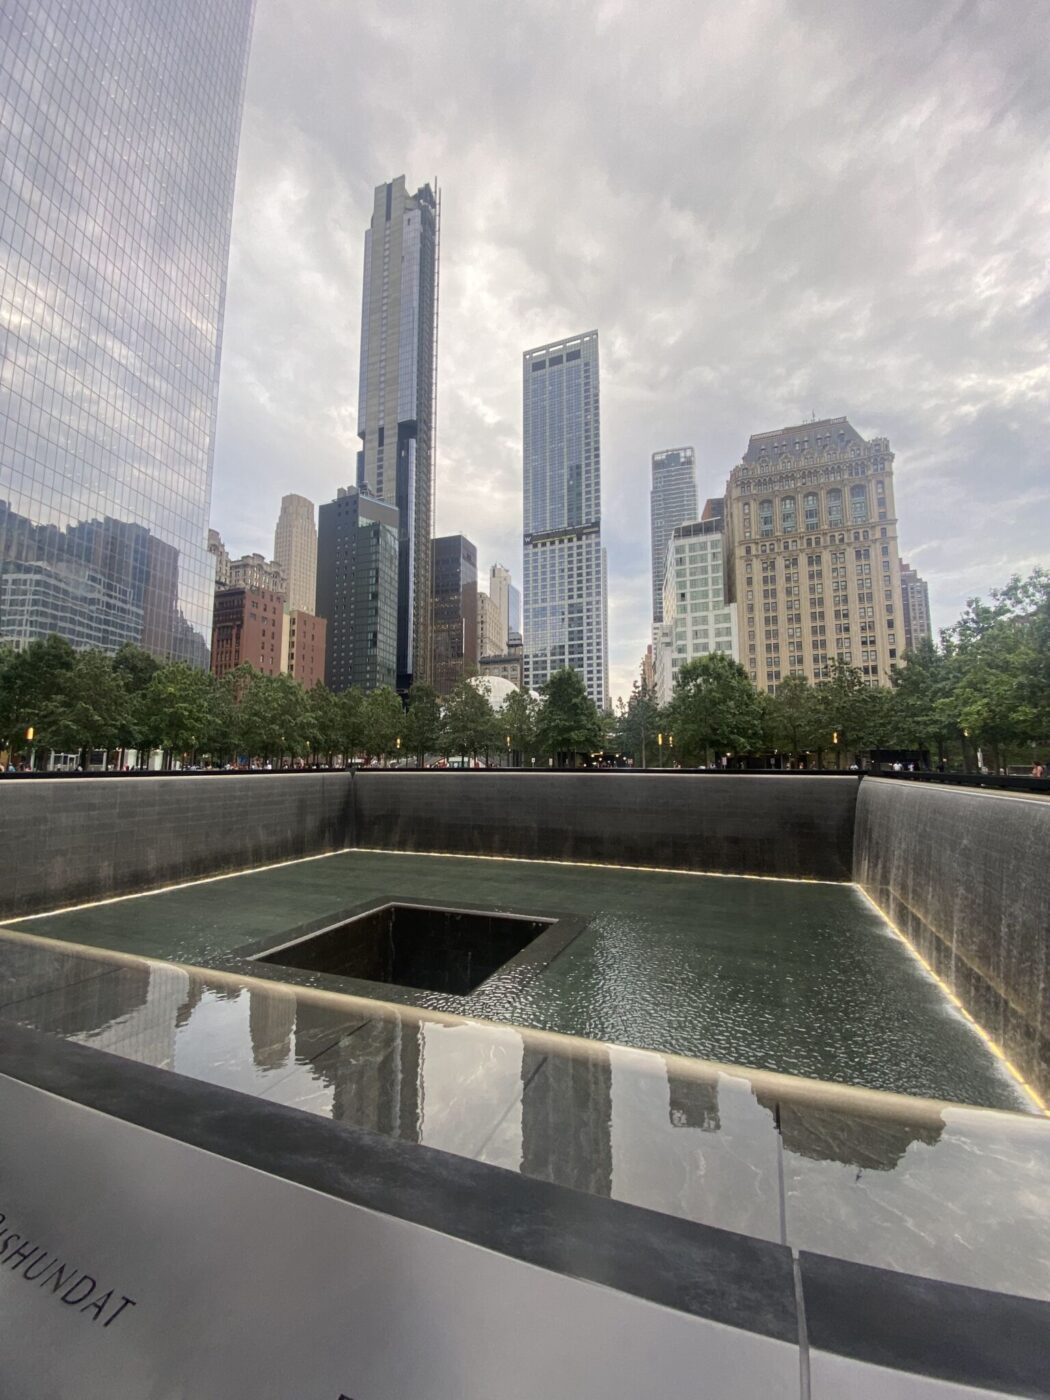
(470, 725)
(714, 707)
(569, 722)
(519, 719)
(175, 710)
(89, 709)
(382, 722)
(793, 717)
(29, 682)
(273, 717)
(423, 723)
(636, 725)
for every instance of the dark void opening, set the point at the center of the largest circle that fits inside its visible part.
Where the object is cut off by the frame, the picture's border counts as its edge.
(434, 950)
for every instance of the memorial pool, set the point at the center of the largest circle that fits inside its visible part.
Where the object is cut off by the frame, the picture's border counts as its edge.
(799, 977)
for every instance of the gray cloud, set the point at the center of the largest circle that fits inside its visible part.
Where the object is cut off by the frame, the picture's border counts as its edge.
(766, 208)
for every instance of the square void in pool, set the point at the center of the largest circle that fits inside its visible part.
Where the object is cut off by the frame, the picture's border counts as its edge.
(427, 948)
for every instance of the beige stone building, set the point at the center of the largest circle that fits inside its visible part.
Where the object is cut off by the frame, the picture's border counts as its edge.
(812, 558)
(295, 552)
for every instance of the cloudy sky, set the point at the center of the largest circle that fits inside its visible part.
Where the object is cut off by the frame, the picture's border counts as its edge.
(767, 208)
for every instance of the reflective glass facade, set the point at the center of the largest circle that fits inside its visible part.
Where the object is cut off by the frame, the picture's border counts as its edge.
(565, 614)
(119, 124)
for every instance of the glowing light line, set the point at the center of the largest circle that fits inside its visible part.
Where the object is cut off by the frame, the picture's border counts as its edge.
(993, 1045)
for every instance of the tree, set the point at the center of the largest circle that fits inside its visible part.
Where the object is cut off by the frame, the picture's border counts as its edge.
(470, 724)
(273, 717)
(855, 716)
(637, 724)
(423, 721)
(793, 719)
(921, 700)
(714, 706)
(518, 719)
(29, 681)
(382, 722)
(351, 721)
(569, 722)
(89, 709)
(323, 721)
(175, 710)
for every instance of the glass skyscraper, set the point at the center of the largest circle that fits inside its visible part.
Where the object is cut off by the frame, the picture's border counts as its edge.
(672, 502)
(565, 611)
(120, 122)
(395, 415)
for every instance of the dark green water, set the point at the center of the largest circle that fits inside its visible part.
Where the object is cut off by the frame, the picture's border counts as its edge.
(802, 978)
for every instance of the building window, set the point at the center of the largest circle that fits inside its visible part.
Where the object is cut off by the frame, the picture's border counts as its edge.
(835, 506)
(788, 517)
(858, 504)
(765, 517)
(812, 510)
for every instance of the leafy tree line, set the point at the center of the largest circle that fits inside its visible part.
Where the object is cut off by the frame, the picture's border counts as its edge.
(986, 687)
(78, 702)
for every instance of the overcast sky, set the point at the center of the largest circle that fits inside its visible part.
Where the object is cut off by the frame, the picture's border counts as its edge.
(767, 208)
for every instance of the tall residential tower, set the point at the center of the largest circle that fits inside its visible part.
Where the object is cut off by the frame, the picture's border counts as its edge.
(119, 126)
(565, 613)
(395, 416)
(672, 502)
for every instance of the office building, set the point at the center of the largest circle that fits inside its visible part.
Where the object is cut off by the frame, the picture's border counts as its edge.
(357, 578)
(507, 667)
(813, 545)
(395, 416)
(565, 617)
(915, 607)
(456, 599)
(303, 647)
(221, 555)
(492, 640)
(255, 571)
(500, 589)
(248, 627)
(119, 132)
(672, 502)
(295, 552)
(698, 619)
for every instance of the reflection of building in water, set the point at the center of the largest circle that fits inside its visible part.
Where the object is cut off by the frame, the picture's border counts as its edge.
(566, 1119)
(694, 1104)
(271, 1020)
(91, 1005)
(373, 1072)
(111, 319)
(832, 1135)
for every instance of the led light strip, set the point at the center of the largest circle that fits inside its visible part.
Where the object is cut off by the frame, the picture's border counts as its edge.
(993, 1045)
(598, 865)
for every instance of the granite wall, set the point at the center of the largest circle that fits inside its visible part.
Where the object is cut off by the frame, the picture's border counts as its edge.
(68, 840)
(738, 824)
(963, 873)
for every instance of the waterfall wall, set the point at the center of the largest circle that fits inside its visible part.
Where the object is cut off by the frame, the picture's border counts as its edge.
(964, 875)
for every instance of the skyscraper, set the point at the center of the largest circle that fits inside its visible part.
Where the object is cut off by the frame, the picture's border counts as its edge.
(499, 592)
(456, 600)
(813, 554)
(915, 605)
(565, 618)
(119, 127)
(395, 416)
(295, 551)
(357, 559)
(698, 618)
(672, 502)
